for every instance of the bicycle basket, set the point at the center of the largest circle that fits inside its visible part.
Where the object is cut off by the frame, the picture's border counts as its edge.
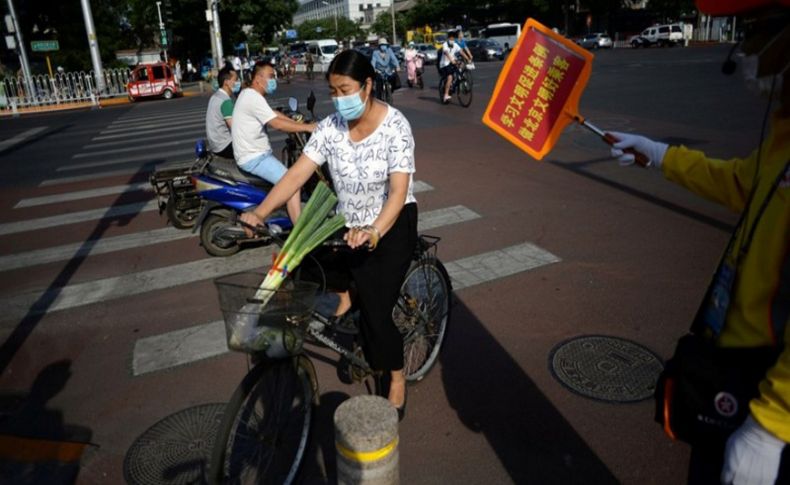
(251, 326)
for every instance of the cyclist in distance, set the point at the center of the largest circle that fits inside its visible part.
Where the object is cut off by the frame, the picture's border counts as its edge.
(369, 148)
(450, 51)
(385, 64)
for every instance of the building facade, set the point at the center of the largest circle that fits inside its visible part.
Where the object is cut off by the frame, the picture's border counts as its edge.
(362, 11)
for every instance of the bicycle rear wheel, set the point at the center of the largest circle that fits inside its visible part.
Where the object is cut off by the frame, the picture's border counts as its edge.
(465, 90)
(266, 426)
(421, 315)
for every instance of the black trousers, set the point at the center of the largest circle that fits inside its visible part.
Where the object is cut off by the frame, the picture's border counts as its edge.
(226, 152)
(376, 277)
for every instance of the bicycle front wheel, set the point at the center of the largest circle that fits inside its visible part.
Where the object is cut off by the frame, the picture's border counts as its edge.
(266, 426)
(465, 90)
(421, 315)
(388, 92)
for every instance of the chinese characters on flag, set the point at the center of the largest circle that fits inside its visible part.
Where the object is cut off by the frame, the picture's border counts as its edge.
(538, 90)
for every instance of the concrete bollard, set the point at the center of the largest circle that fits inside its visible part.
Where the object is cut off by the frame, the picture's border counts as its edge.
(366, 440)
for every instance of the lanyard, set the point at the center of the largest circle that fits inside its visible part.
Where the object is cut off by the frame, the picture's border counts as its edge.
(699, 324)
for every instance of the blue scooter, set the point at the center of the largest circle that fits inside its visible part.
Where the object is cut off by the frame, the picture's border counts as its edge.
(227, 192)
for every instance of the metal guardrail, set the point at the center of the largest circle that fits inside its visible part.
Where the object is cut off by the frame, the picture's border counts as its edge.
(72, 87)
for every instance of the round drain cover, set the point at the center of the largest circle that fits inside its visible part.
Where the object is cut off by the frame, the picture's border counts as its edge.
(609, 369)
(176, 450)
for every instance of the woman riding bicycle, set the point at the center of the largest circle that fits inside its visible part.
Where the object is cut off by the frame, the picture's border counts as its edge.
(370, 151)
(385, 64)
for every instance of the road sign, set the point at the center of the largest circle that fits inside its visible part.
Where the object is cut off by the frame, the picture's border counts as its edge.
(538, 90)
(44, 45)
(290, 34)
(10, 42)
(163, 36)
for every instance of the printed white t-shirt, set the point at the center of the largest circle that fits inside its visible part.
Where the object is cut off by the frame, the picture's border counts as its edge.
(250, 115)
(360, 170)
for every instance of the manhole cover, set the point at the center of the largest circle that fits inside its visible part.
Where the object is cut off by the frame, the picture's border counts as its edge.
(176, 450)
(609, 369)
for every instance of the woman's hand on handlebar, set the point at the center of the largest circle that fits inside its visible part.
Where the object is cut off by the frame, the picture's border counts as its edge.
(366, 236)
(252, 219)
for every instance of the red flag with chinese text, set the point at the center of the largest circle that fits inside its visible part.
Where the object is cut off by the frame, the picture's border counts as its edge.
(537, 93)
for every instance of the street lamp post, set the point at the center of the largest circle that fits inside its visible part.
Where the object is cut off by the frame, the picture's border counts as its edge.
(392, 13)
(162, 33)
(334, 10)
(22, 51)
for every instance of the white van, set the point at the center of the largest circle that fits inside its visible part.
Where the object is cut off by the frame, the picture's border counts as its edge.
(660, 35)
(323, 50)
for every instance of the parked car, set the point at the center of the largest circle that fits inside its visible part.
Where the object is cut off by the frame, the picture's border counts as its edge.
(596, 41)
(429, 51)
(660, 35)
(151, 80)
(485, 49)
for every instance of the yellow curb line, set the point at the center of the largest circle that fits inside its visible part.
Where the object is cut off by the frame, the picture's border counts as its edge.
(32, 450)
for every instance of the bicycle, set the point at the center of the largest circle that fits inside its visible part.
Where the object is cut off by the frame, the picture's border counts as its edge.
(462, 85)
(384, 87)
(265, 429)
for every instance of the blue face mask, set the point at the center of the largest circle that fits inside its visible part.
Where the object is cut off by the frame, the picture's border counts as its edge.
(349, 107)
(271, 86)
(383, 48)
(236, 87)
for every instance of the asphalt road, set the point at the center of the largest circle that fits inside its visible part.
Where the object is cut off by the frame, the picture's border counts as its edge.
(104, 305)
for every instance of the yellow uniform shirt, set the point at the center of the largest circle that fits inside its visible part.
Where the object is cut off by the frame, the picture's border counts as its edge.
(759, 308)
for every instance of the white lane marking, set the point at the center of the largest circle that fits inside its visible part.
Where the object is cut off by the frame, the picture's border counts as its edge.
(428, 220)
(147, 158)
(79, 294)
(198, 342)
(445, 217)
(139, 147)
(92, 176)
(19, 138)
(174, 116)
(82, 194)
(127, 134)
(148, 128)
(93, 247)
(179, 347)
(193, 134)
(75, 217)
(497, 264)
(115, 211)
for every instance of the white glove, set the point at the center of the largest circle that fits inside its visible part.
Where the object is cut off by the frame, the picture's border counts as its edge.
(653, 150)
(752, 456)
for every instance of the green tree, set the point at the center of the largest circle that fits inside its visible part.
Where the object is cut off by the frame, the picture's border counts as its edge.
(383, 25)
(266, 18)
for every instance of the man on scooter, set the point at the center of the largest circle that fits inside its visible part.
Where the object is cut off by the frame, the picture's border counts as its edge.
(251, 116)
(220, 113)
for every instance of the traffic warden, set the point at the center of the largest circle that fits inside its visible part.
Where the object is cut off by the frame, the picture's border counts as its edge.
(748, 303)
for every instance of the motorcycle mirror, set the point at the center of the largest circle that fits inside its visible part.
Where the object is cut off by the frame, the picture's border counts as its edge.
(293, 104)
(311, 102)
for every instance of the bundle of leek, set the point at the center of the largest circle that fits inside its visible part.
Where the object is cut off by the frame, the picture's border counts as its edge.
(312, 229)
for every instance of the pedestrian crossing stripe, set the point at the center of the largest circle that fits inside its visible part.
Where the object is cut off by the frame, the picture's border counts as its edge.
(428, 220)
(199, 342)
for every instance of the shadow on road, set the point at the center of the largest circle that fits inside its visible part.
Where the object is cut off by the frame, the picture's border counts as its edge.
(494, 396)
(49, 297)
(38, 446)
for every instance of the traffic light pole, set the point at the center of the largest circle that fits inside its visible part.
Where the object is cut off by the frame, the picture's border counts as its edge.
(217, 32)
(162, 33)
(93, 44)
(22, 51)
